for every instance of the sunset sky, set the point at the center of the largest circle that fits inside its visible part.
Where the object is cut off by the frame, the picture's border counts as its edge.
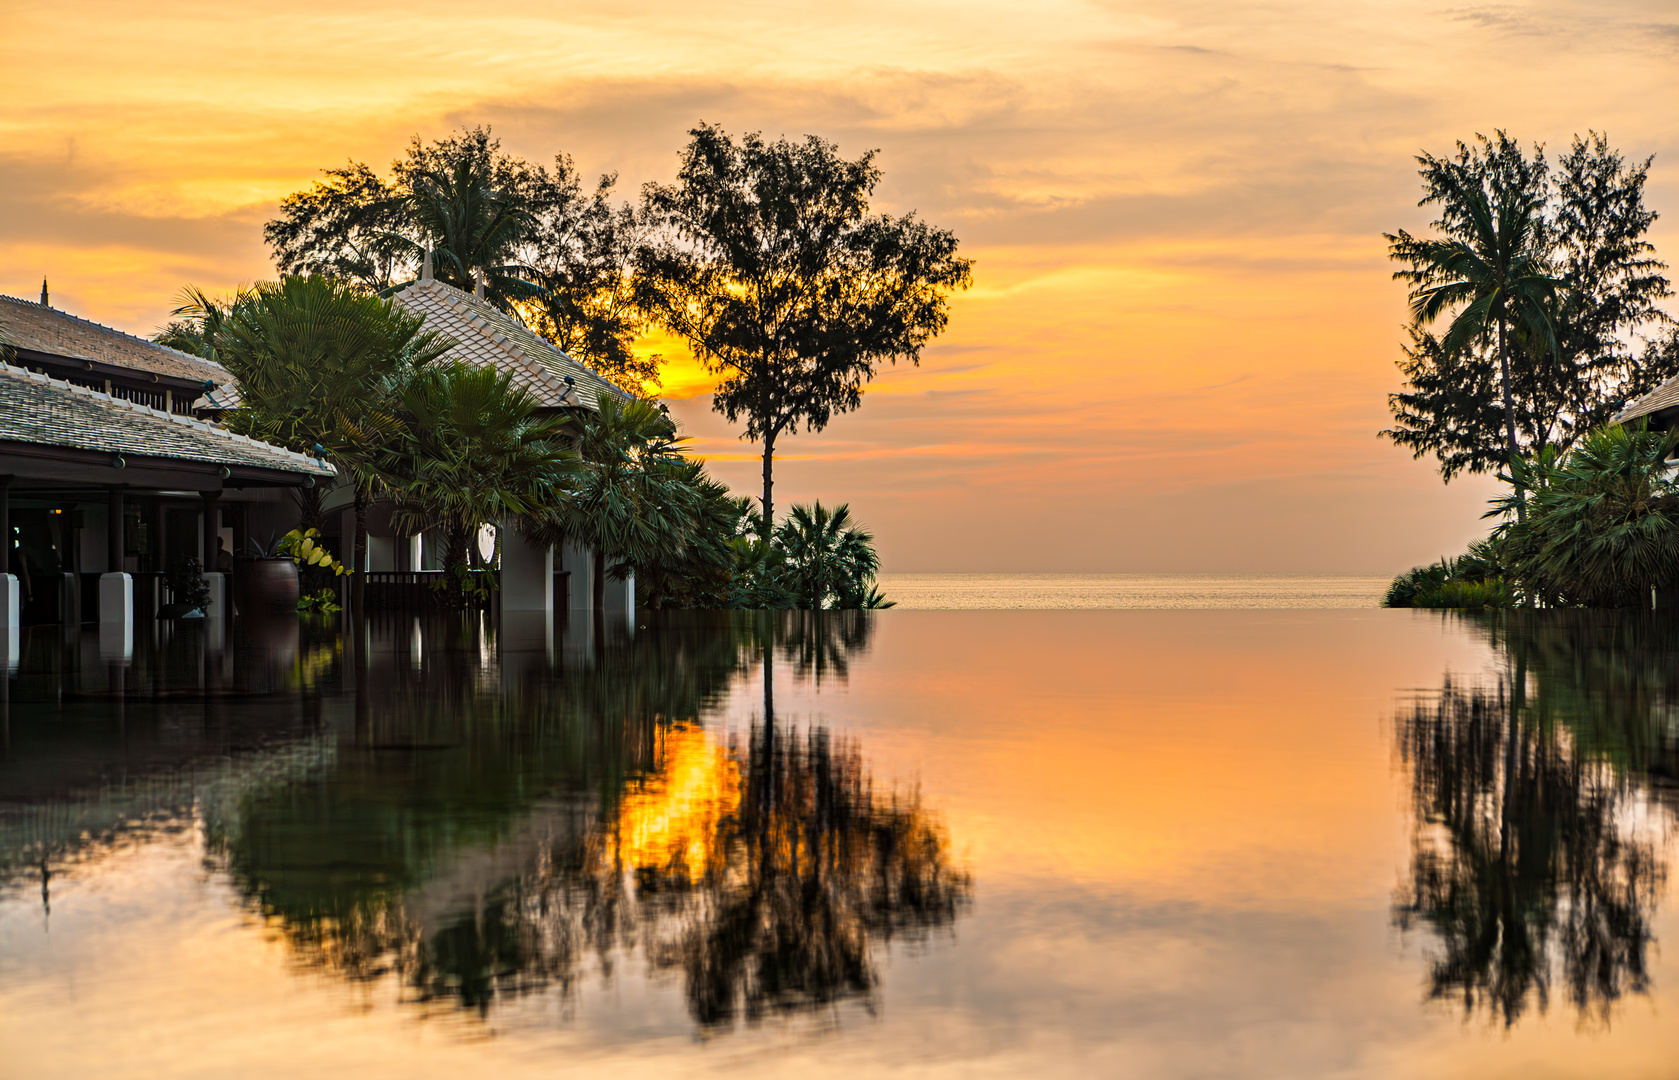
(1181, 335)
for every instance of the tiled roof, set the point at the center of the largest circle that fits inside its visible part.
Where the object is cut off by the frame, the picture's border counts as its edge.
(48, 330)
(1665, 396)
(487, 336)
(44, 411)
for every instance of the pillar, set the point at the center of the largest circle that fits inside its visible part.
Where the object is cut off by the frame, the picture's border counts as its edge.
(217, 584)
(113, 532)
(116, 616)
(5, 524)
(620, 597)
(11, 630)
(527, 574)
(212, 531)
(580, 562)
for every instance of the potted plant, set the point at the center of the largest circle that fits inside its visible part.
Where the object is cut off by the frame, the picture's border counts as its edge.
(189, 594)
(270, 582)
(267, 582)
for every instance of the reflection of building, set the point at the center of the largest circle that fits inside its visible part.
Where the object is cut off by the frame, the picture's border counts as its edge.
(106, 476)
(485, 336)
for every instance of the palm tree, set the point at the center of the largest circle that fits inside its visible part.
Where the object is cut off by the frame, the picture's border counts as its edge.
(473, 224)
(472, 451)
(631, 501)
(1496, 279)
(319, 367)
(830, 560)
(196, 322)
(1603, 527)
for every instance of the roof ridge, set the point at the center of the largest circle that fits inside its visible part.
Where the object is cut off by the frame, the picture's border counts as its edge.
(526, 352)
(61, 313)
(124, 403)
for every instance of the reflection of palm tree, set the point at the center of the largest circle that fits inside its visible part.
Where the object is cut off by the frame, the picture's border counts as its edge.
(1527, 863)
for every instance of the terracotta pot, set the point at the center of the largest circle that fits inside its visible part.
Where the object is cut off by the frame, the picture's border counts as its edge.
(266, 586)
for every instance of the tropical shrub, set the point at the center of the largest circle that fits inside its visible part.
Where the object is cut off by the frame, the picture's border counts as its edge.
(829, 560)
(1602, 523)
(1474, 579)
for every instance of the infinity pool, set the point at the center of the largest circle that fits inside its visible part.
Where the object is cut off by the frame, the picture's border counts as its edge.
(1259, 843)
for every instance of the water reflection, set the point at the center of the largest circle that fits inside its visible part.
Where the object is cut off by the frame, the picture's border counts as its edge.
(481, 810)
(1542, 800)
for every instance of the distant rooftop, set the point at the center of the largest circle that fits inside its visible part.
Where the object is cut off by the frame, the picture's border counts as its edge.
(1661, 399)
(59, 333)
(37, 409)
(488, 337)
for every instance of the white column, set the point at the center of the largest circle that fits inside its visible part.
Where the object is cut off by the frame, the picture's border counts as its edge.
(116, 616)
(116, 598)
(620, 597)
(580, 561)
(11, 607)
(527, 574)
(217, 584)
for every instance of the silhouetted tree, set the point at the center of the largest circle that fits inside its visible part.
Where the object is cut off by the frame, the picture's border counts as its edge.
(768, 262)
(1575, 356)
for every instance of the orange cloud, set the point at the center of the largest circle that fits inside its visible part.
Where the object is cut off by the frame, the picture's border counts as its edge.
(1181, 307)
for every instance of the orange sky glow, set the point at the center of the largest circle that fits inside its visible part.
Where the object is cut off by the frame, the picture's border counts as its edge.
(1181, 335)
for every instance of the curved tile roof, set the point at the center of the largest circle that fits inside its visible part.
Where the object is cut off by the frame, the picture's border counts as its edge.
(487, 336)
(59, 333)
(1662, 398)
(47, 412)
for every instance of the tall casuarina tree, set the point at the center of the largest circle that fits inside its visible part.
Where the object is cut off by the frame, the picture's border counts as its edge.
(1494, 279)
(766, 259)
(1613, 339)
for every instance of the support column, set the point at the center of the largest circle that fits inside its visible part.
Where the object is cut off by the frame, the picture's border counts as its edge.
(5, 524)
(527, 574)
(116, 616)
(113, 531)
(11, 630)
(212, 530)
(620, 597)
(580, 562)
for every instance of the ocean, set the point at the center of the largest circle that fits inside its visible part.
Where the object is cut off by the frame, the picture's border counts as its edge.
(1110, 592)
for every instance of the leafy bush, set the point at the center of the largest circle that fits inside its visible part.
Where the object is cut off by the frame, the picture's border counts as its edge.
(1474, 579)
(1600, 527)
(186, 584)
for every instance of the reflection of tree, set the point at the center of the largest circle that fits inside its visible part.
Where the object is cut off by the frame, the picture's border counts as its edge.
(482, 843)
(809, 874)
(1534, 861)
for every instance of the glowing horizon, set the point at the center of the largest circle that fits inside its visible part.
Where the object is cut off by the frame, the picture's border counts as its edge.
(1182, 332)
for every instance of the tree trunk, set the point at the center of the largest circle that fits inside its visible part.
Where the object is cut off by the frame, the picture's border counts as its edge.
(1510, 416)
(769, 718)
(358, 576)
(455, 544)
(600, 583)
(769, 487)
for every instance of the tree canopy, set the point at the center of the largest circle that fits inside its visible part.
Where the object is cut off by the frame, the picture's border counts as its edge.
(544, 248)
(766, 259)
(1576, 351)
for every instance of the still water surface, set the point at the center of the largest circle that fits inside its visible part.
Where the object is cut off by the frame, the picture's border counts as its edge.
(1140, 843)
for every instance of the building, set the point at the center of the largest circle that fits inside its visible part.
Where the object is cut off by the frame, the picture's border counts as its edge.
(485, 336)
(1660, 406)
(106, 477)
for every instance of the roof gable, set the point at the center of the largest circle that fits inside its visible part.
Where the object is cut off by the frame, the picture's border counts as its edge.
(485, 335)
(37, 409)
(1662, 398)
(58, 333)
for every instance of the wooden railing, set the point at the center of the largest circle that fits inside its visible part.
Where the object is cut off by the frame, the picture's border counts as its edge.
(419, 589)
